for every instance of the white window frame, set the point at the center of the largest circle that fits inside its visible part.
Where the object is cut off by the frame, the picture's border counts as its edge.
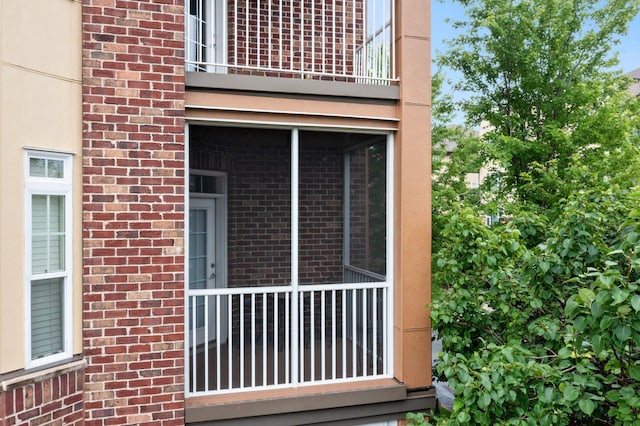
(213, 38)
(57, 187)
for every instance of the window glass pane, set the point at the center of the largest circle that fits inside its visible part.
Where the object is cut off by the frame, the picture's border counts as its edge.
(39, 264)
(37, 167)
(56, 213)
(46, 317)
(56, 253)
(39, 231)
(55, 169)
(39, 214)
(47, 234)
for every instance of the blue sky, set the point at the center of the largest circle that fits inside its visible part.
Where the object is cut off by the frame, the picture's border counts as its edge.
(629, 48)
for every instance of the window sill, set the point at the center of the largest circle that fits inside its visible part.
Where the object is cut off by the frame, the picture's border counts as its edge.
(21, 378)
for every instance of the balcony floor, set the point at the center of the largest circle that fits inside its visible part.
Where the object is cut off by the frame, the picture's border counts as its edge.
(230, 366)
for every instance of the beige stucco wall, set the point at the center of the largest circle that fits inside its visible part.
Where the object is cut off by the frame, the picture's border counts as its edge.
(40, 107)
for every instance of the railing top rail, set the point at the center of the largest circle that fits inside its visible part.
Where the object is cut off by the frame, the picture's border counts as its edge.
(286, 289)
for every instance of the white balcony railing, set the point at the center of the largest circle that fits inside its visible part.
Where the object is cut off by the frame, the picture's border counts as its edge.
(341, 40)
(253, 338)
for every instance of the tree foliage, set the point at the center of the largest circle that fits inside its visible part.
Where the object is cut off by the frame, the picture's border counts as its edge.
(539, 316)
(540, 72)
(548, 334)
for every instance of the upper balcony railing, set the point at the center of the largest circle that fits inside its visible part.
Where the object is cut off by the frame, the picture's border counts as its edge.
(338, 40)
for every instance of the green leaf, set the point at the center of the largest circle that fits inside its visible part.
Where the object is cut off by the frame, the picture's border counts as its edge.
(596, 309)
(596, 342)
(564, 353)
(484, 400)
(587, 406)
(605, 322)
(544, 266)
(570, 393)
(635, 302)
(634, 372)
(571, 307)
(587, 295)
(623, 332)
(486, 382)
(463, 417)
(619, 295)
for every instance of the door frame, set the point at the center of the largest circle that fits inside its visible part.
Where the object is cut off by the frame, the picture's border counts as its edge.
(220, 235)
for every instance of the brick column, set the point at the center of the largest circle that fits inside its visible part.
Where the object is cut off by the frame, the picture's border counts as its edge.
(133, 211)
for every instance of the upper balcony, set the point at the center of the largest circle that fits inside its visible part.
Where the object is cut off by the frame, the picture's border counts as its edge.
(330, 40)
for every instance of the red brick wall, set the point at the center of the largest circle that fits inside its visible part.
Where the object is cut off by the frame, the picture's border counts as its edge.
(133, 211)
(52, 400)
(323, 47)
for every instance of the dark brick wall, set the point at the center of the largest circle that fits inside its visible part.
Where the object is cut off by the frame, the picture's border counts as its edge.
(51, 400)
(133, 211)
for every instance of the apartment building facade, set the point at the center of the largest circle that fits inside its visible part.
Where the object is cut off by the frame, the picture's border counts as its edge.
(214, 212)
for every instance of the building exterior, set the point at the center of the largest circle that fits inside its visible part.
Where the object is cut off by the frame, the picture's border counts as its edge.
(634, 87)
(214, 212)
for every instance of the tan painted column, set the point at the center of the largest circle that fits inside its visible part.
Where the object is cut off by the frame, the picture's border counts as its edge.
(412, 328)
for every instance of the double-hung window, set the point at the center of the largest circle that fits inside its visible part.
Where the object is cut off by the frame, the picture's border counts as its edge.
(48, 257)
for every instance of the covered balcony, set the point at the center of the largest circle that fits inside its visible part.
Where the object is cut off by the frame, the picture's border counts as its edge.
(335, 40)
(290, 273)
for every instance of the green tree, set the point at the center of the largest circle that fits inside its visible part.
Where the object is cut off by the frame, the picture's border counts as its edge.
(456, 151)
(542, 335)
(540, 72)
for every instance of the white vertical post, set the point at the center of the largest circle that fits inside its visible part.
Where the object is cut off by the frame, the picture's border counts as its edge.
(302, 47)
(354, 41)
(230, 341)
(313, 35)
(242, 340)
(301, 337)
(205, 344)
(365, 328)
(388, 346)
(209, 41)
(374, 321)
(295, 146)
(276, 328)
(194, 377)
(344, 334)
(312, 339)
(236, 19)
(344, 38)
(224, 18)
(264, 339)
(334, 44)
(287, 348)
(392, 45)
(323, 332)
(354, 335)
(246, 32)
(258, 36)
(365, 41)
(280, 35)
(186, 257)
(218, 342)
(291, 43)
(323, 39)
(333, 334)
(269, 34)
(252, 342)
